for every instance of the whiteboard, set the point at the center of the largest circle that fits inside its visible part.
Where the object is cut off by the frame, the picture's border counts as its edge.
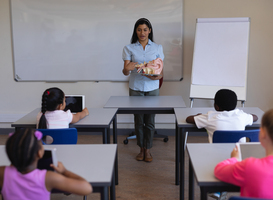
(220, 57)
(82, 40)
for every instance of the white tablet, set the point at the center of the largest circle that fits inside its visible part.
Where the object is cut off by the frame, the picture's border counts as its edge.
(48, 158)
(250, 149)
(75, 103)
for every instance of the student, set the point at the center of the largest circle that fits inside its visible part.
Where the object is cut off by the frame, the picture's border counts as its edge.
(22, 180)
(226, 116)
(253, 175)
(52, 113)
(142, 49)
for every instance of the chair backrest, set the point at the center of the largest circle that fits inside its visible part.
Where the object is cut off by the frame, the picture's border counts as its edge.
(160, 82)
(244, 198)
(235, 136)
(61, 136)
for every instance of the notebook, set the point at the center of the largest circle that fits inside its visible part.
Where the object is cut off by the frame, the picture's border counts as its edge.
(250, 149)
(75, 103)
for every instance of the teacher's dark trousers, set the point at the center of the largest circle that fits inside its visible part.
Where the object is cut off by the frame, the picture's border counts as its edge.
(144, 123)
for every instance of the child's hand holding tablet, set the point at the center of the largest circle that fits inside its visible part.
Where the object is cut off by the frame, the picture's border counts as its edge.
(236, 152)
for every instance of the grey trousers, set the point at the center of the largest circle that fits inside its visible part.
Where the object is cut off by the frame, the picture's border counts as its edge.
(144, 123)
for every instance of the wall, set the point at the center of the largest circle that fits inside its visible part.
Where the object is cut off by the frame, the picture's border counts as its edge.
(21, 97)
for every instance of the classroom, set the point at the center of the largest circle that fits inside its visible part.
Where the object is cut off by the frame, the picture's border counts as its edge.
(19, 98)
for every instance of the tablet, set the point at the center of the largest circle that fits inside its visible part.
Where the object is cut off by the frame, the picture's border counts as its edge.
(74, 103)
(250, 149)
(48, 158)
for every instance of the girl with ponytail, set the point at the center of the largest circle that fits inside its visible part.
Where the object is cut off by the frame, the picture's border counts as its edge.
(52, 113)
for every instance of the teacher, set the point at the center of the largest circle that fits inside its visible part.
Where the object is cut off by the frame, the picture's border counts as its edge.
(142, 49)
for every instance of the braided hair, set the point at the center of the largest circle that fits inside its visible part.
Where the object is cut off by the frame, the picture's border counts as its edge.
(51, 98)
(22, 148)
(142, 21)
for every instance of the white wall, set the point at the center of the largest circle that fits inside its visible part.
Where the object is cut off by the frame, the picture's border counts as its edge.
(22, 97)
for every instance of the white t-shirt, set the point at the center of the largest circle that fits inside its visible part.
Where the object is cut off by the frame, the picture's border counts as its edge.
(57, 119)
(224, 120)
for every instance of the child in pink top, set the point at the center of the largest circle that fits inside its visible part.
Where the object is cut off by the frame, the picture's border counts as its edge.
(22, 180)
(52, 113)
(253, 175)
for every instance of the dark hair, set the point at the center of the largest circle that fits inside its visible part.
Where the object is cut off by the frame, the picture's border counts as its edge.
(22, 148)
(51, 98)
(141, 21)
(225, 99)
(267, 123)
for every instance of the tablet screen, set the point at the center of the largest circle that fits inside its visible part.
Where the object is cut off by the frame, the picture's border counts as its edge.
(74, 103)
(45, 161)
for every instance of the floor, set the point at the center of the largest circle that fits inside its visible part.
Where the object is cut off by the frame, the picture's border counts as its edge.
(138, 179)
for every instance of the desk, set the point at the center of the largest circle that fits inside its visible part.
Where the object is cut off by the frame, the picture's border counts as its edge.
(145, 104)
(203, 166)
(98, 120)
(149, 105)
(97, 171)
(184, 127)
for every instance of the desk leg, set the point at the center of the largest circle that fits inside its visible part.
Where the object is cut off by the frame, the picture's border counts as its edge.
(203, 195)
(116, 168)
(104, 194)
(113, 188)
(182, 163)
(108, 135)
(115, 142)
(104, 136)
(191, 182)
(115, 129)
(177, 146)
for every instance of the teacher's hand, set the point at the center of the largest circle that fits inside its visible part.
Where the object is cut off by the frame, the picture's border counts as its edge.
(128, 66)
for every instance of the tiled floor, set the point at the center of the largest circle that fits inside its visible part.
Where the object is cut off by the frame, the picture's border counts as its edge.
(138, 179)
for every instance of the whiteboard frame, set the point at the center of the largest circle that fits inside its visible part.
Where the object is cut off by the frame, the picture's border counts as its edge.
(173, 70)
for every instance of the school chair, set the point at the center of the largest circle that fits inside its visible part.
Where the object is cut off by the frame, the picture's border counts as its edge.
(156, 135)
(244, 198)
(61, 136)
(235, 136)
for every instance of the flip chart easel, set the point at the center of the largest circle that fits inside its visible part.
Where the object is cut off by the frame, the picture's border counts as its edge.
(220, 57)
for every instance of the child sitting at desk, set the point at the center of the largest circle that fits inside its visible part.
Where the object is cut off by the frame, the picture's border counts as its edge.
(226, 116)
(52, 113)
(22, 179)
(253, 175)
